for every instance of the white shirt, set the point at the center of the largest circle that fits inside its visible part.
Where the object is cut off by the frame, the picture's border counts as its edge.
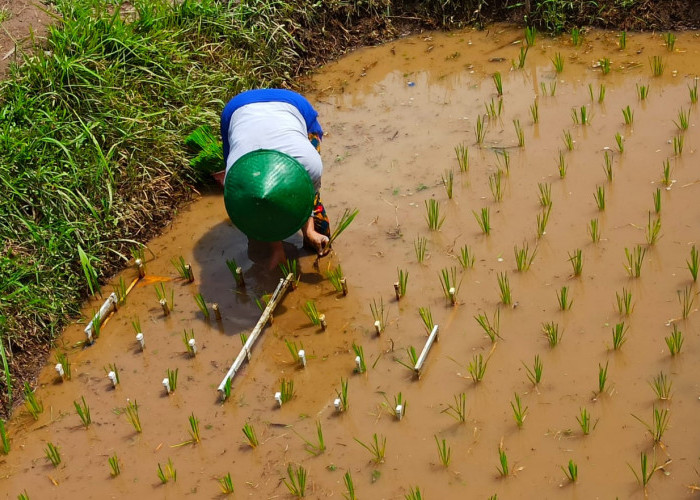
(273, 125)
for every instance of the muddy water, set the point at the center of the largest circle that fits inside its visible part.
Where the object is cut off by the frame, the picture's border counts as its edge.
(393, 116)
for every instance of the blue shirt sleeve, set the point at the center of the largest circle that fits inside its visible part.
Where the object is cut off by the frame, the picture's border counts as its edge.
(307, 111)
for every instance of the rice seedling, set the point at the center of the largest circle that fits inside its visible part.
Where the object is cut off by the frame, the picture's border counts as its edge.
(420, 244)
(601, 93)
(576, 260)
(498, 82)
(320, 445)
(427, 316)
(349, 486)
(226, 484)
(167, 473)
(576, 37)
(686, 299)
(190, 343)
(34, 406)
(23, 496)
(477, 367)
(645, 472)
(450, 286)
(414, 494)
(584, 421)
(594, 230)
(619, 335)
(622, 40)
(628, 115)
(114, 468)
(674, 341)
(4, 438)
(491, 327)
(620, 140)
(400, 404)
(202, 304)
(503, 460)
(250, 435)
(335, 276)
(496, 186)
(642, 92)
(377, 447)
(657, 65)
(599, 197)
(448, 180)
(163, 297)
(635, 259)
(53, 454)
(343, 402)
(571, 471)
(670, 40)
(412, 358)
(519, 132)
(458, 410)
(693, 91)
(171, 377)
(432, 208)
(62, 359)
(683, 119)
(558, 62)
(480, 130)
(666, 173)
(602, 377)
(692, 263)
(132, 415)
(112, 373)
(311, 312)
(296, 480)
(483, 218)
(624, 302)
(563, 299)
(542, 220)
(491, 111)
(659, 423)
(657, 200)
(183, 269)
(530, 35)
(678, 143)
(545, 196)
(236, 271)
(535, 112)
(120, 290)
(561, 165)
(604, 65)
(379, 315)
(360, 366)
(291, 266)
(444, 451)
(503, 158)
(523, 257)
(462, 153)
(568, 141)
(343, 222)
(581, 116)
(519, 413)
(83, 411)
(661, 386)
(534, 374)
(522, 56)
(466, 257)
(504, 288)
(552, 333)
(552, 88)
(227, 387)
(286, 390)
(653, 229)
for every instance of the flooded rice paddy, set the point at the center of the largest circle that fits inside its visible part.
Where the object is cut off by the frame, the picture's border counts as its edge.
(395, 116)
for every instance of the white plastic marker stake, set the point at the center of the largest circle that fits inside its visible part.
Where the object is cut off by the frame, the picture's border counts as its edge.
(322, 321)
(302, 357)
(164, 305)
(217, 312)
(378, 327)
(245, 351)
(106, 309)
(59, 369)
(141, 269)
(338, 405)
(453, 295)
(166, 384)
(358, 364)
(397, 291)
(424, 354)
(344, 286)
(399, 411)
(140, 340)
(278, 398)
(193, 347)
(113, 377)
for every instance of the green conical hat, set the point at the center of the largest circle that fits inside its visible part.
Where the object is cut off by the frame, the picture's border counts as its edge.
(268, 195)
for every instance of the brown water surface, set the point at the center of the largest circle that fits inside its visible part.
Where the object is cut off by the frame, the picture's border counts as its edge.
(394, 115)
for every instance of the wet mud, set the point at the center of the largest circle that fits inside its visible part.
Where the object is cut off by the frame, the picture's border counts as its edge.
(394, 116)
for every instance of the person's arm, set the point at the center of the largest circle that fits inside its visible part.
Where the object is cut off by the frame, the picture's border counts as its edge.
(319, 241)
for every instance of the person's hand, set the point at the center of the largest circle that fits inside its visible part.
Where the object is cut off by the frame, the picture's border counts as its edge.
(320, 242)
(219, 176)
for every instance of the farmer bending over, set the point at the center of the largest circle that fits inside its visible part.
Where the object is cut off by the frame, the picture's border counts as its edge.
(271, 143)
